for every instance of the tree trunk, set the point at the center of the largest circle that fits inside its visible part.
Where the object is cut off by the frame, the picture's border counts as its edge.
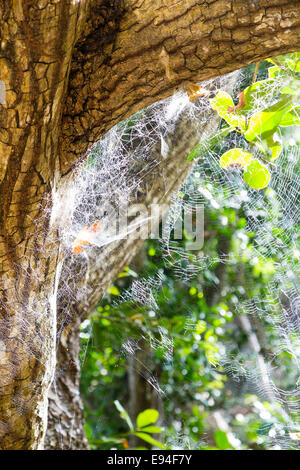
(70, 71)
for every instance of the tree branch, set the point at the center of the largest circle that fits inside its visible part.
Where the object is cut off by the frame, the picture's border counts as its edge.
(151, 50)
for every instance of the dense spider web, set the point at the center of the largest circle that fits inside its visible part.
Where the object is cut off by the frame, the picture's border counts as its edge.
(111, 179)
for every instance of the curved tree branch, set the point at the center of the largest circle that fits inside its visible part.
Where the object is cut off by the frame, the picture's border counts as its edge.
(150, 50)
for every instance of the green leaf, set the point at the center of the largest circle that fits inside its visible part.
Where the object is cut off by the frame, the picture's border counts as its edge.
(196, 411)
(147, 438)
(221, 440)
(275, 151)
(274, 72)
(200, 327)
(147, 417)
(211, 356)
(291, 117)
(292, 89)
(113, 290)
(152, 429)
(124, 414)
(264, 123)
(209, 144)
(222, 103)
(151, 252)
(256, 92)
(290, 61)
(88, 431)
(127, 272)
(270, 60)
(257, 175)
(235, 157)
(274, 147)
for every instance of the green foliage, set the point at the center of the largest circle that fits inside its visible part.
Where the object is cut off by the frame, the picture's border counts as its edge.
(147, 417)
(280, 94)
(264, 123)
(142, 430)
(235, 157)
(223, 104)
(124, 414)
(257, 175)
(221, 440)
(291, 118)
(149, 439)
(288, 62)
(194, 382)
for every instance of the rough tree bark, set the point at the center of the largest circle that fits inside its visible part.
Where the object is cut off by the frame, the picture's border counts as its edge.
(71, 70)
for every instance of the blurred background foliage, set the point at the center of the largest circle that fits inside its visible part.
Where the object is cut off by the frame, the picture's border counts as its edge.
(169, 358)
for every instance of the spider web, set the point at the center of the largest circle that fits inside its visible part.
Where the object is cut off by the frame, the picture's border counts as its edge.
(110, 180)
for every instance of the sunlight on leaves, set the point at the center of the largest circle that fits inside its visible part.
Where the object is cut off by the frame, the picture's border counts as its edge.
(257, 175)
(147, 417)
(236, 157)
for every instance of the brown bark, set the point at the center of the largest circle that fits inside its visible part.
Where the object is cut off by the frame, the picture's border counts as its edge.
(160, 46)
(120, 56)
(36, 50)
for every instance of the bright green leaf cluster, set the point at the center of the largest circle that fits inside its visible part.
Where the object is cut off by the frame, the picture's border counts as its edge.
(144, 425)
(278, 97)
(257, 175)
(235, 157)
(224, 105)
